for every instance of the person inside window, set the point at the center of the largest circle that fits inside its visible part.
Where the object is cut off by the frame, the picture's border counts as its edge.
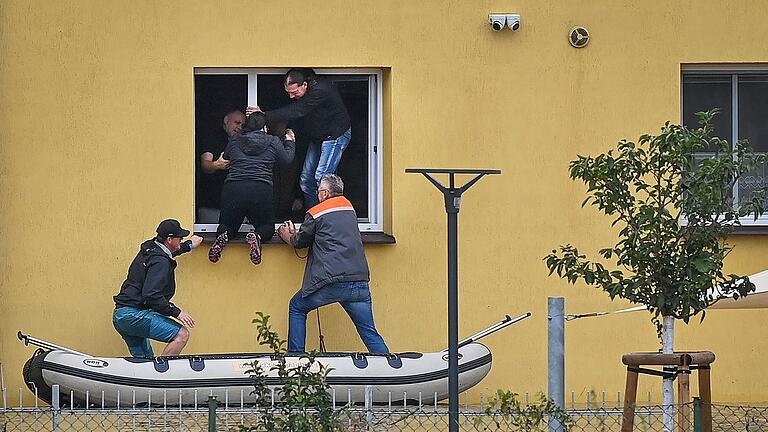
(214, 167)
(247, 190)
(326, 123)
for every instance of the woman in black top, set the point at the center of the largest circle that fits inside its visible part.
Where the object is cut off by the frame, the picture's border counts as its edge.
(247, 190)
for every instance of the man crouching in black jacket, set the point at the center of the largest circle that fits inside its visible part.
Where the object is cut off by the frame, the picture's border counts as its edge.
(143, 307)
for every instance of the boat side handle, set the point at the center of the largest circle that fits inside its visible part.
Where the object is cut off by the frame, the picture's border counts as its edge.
(27, 339)
(359, 360)
(506, 322)
(197, 364)
(161, 364)
(395, 362)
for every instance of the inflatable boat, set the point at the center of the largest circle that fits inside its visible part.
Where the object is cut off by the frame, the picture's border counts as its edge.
(86, 380)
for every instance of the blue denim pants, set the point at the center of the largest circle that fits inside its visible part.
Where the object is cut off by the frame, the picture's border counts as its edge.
(322, 159)
(354, 297)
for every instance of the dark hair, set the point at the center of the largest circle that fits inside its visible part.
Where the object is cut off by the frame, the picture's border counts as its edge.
(276, 128)
(299, 76)
(256, 121)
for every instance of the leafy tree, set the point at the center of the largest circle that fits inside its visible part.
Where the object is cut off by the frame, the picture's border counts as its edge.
(303, 402)
(674, 215)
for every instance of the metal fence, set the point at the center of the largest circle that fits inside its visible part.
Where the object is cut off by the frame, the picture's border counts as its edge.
(725, 418)
(226, 416)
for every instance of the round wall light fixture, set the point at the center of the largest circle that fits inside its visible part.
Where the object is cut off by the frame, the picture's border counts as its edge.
(578, 37)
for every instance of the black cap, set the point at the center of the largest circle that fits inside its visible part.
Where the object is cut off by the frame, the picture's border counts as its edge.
(171, 228)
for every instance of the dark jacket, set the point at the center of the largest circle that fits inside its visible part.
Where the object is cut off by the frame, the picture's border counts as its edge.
(252, 155)
(151, 281)
(325, 116)
(335, 247)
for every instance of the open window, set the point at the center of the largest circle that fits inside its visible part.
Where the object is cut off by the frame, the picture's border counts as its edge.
(221, 90)
(741, 94)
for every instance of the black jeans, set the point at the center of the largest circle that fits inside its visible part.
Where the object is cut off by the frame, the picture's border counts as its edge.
(246, 198)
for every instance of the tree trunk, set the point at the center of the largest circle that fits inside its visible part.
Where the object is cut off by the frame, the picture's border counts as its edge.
(668, 389)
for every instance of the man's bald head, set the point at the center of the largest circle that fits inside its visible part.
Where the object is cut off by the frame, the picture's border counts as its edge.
(233, 122)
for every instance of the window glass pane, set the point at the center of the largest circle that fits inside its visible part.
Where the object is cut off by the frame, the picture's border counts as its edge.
(753, 126)
(353, 168)
(753, 111)
(703, 93)
(215, 95)
(751, 182)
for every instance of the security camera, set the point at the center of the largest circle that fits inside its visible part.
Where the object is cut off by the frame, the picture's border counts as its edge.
(497, 21)
(513, 22)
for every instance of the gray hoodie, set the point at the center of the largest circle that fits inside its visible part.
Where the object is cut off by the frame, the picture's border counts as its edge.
(253, 154)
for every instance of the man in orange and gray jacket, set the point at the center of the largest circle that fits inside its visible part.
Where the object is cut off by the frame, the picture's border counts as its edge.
(336, 269)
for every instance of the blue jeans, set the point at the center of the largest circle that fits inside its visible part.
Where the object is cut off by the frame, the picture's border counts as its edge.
(138, 326)
(354, 297)
(322, 159)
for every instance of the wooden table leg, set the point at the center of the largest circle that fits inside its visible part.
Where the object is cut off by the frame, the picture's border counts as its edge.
(705, 393)
(630, 397)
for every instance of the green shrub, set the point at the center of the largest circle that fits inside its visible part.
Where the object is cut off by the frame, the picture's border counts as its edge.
(524, 417)
(302, 400)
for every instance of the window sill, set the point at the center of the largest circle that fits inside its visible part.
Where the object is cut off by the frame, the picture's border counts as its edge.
(377, 238)
(745, 230)
(368, 238)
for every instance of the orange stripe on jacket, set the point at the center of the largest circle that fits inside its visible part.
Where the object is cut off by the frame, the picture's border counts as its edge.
(331, 205)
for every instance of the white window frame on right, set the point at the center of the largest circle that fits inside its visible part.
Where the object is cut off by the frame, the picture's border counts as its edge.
(734, 72)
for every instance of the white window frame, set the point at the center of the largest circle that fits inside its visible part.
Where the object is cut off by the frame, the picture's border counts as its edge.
(374, 222)
(734, 70)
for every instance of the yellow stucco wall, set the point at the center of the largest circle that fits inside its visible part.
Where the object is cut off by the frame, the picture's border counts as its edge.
(97, 146)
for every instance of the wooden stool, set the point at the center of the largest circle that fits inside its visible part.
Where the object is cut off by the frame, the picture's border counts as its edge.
(682, 363)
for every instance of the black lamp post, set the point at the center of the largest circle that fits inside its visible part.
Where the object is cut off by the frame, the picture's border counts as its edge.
(452, 195)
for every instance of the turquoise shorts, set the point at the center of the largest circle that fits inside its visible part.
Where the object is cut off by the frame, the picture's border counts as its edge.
(138, 326)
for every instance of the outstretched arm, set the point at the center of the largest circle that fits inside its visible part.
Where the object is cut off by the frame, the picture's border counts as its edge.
(301, 238)
(298, 108)
(211, 166)
(188, 245)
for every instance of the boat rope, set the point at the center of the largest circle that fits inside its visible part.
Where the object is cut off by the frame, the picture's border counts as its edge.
(571, 317)
(320, 331)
